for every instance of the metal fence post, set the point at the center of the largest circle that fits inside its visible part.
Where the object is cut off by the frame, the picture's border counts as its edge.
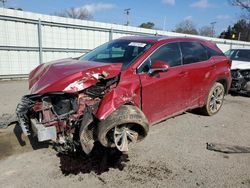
(40, 46)
(231, 45)
(111, 34)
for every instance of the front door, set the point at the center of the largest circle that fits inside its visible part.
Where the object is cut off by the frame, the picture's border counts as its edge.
(163, 93)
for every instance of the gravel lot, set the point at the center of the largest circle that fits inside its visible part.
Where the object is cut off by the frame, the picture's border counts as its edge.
(173, 155)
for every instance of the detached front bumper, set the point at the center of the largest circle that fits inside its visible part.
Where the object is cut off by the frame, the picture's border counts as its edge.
(29, 126)
(22, 115)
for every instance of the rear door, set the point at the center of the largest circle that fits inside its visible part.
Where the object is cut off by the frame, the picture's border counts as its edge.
(199, 70)
(163, 93)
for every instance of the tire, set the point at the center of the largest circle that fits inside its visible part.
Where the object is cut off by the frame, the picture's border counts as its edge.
(214, 100)
(126, 117)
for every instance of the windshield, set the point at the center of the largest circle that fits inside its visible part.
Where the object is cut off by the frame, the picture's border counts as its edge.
(118, 51)
(239, 55)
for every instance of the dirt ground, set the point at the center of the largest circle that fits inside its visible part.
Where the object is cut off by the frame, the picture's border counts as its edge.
(174, 153)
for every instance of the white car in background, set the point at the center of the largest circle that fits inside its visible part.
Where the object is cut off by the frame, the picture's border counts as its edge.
(240, 70)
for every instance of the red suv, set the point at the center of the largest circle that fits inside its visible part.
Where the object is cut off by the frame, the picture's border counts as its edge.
(113, 93)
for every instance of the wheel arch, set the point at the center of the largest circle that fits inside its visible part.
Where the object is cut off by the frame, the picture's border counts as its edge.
(117, 98)
(224, 81)
(125, 114)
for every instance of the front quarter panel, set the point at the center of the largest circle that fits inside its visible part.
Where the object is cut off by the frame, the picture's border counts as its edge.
(128, 91)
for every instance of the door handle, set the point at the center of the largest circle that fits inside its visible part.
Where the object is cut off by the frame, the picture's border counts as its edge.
(184, 73)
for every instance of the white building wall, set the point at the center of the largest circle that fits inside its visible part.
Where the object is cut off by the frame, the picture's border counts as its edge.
(62, 38)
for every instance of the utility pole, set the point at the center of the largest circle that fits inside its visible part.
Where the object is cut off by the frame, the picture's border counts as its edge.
(3, 2)
(127, 12)
(239, 36)
(164, 23)
(212, 25)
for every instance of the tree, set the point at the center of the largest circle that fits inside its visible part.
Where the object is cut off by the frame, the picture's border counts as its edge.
(242, 30)
(239, 31)
(187, 27)
(206, 31)
(15, 8)
(148, 25)
(244, 5)
(76, 13)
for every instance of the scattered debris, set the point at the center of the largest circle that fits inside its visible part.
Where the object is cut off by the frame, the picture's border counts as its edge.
(225, 148)
(7, 120)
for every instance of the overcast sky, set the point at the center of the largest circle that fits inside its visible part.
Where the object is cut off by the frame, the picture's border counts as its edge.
(201, 12)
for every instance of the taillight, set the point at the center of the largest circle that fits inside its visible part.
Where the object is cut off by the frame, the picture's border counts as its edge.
(229, 61)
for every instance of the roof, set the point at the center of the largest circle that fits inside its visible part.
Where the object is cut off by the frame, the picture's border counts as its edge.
(146, 38)
(156, 38)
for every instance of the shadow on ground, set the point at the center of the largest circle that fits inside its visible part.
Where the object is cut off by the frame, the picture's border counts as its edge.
(32, 140)
(238, 94)
(12, 141)
(100, 160)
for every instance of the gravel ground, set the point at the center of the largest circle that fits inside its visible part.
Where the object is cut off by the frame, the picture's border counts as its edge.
(174, 153)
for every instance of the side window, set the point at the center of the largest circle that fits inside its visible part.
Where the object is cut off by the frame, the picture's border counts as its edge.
(169, 53)
(193, 52)
(212, 52)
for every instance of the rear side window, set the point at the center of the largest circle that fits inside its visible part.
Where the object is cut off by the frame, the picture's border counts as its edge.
(211, 52)
(193, 52)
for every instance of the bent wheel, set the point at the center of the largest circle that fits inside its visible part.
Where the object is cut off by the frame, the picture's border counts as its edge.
(123, 136)
(124, 126)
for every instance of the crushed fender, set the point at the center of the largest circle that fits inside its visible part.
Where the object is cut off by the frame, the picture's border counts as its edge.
(65, 118)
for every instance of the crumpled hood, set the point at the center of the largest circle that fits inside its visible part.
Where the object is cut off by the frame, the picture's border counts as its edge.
(58, 75)
(240, 65)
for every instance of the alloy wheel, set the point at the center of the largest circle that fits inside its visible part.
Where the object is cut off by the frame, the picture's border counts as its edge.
(123, 135)
(216, 99)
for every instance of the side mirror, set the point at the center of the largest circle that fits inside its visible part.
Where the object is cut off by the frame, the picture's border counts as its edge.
(158, 66)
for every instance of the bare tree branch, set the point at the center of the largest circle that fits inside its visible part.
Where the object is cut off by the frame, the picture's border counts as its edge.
(206, 31)
(187, 27)
(77, 13)
(244, 4)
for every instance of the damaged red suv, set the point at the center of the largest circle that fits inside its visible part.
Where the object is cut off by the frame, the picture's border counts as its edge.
(114, 93)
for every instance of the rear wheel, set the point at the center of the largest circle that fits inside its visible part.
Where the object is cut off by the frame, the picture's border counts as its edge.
(124, 126)
(214, 100)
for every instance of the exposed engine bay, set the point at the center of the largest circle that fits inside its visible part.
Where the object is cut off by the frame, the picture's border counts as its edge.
(64, 118)
(241, 81)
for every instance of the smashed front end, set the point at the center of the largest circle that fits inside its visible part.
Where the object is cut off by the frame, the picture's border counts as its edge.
(241, 81)
(64, 117)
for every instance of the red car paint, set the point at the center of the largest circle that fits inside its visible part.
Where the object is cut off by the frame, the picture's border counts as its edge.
(160, 96)
(57, 75)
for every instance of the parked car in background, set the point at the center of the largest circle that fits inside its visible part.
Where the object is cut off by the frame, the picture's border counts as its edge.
(115, 92)
(240, 70)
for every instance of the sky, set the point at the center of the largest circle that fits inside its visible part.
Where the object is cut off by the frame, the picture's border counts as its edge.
(165, 14)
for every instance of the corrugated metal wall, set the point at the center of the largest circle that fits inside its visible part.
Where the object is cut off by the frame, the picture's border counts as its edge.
(27, 39)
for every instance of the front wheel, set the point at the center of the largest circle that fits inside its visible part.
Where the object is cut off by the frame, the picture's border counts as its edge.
(124, 126)
(214, 100)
